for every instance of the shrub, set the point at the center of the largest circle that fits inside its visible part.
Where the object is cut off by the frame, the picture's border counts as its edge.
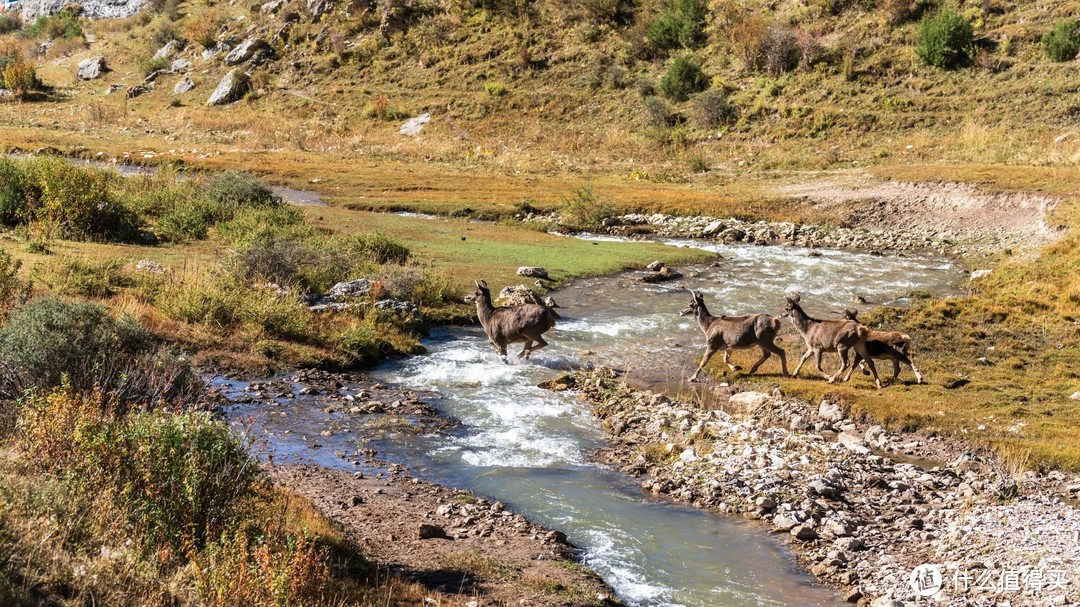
(683, 79)
(235, 190)
(83, 277)
(250, 225)
(12, 288)
(63, 24)
(657, 111)
(712, 109)
(8, 24)
(378, 247)
(747, 39)
(78, 202)
(495, 89)
(944, 40)
(13, 195)
(264, 570)
(184, 222)
(48, 342)
(1063, 42)
(678, 26)
(149, 65)
(179, 479)
(202, 28)
(584, 209)
(901, 11)
(782, 52)
(20, 78)
(219, 300)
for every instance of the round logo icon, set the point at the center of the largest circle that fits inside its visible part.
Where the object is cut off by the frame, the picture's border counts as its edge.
(925, 580)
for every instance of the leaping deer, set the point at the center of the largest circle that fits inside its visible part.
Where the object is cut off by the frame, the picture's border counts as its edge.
(829, 336)
(729, 333)
(887, 345)
(504, 326)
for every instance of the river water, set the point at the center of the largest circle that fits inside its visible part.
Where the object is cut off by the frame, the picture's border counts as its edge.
(531, 448)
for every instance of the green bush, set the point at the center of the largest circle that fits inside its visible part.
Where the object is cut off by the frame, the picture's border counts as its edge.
(254, 224)
(945, 40)
(683, 79)
(77, 202)
(13, 197)
(377, 247)
(1063, 42)
(236, 190)
(49, 342)
(64, 24)
(19, 77)
(584, 209)
(219, 300)
(678, 26)
(12, 288)
(8, 24)
(184, 222)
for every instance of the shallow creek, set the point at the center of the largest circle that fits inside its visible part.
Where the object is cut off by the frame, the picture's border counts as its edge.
(531, 448)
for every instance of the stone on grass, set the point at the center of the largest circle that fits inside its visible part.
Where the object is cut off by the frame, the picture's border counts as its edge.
(232, 88)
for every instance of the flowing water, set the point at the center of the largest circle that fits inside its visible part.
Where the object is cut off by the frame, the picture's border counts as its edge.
(531, 448)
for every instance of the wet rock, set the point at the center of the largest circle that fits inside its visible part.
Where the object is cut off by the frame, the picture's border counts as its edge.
(232, 87)
(655, 266)
(92, 68)
(853, 595)
(563, 382)
(712, 229)
(664, 274)
(428, 532)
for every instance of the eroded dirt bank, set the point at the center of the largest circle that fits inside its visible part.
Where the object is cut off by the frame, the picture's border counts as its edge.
(861, 506)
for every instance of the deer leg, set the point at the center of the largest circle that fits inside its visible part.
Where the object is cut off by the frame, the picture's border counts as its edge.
(861, 349)
(526, 350)
(918, 376)
(537, 343)
(858, 362)
(862, 367)
(895, 370)
(806, 355)
(817, 359)
(765, 354)
(731, 366)
(777, 350)
(704, 359)
(842, 351)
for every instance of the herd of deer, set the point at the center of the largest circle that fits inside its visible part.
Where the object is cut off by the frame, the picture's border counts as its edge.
(528, 322)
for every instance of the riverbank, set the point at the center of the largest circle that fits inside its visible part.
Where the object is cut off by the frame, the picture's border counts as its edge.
(465, 549)
(860, 506)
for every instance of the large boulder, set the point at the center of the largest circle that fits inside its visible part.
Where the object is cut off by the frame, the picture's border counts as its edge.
(92, 68)
(183, 85)
(255, 50)
(232, 88)
(167, 51)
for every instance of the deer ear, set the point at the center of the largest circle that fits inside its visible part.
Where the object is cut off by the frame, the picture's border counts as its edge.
(482, 284)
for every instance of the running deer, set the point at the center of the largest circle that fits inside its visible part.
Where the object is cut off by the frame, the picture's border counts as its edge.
(729, 333)
(525, 323)
(828, 336)
(885, 345)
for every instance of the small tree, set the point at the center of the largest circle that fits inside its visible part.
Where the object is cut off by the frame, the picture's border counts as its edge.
(1063, 42)
(945, 40)
(20, 78)
(683, 78)
(678, 26)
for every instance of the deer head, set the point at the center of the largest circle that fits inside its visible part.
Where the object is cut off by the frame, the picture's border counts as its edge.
(481, 291)
(792, 303)
(851, 314)
(695, 304)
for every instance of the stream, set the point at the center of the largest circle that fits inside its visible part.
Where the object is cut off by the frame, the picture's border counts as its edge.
(531, 448)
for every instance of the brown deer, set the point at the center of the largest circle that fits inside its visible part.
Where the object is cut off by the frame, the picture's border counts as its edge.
(884, 345)
(729, 333)
(828, 336)
(525, 323)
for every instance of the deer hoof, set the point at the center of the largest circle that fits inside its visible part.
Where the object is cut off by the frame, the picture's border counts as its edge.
(735, 367)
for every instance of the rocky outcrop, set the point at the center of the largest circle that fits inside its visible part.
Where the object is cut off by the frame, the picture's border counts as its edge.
(183, 85)
(231, 89)
(255, 50)
(92, 68)
(91, 9)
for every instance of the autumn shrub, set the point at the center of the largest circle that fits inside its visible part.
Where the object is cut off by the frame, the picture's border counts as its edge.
(263, 571)
(1063, 42)
(945, 40)
(13, 199)
(63, 25)
(8, 24)
(747, 39)
(76, 202)
(712, 109)
(13, 289)
(19, 77)
(203, 27)
(583, 208)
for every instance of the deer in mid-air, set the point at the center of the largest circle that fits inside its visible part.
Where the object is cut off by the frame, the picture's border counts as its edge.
(525, 323)
(820, 336)
(729, 333)
(884, 345)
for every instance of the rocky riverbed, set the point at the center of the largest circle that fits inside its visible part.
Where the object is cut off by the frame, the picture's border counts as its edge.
(861, 506)
(468, 550)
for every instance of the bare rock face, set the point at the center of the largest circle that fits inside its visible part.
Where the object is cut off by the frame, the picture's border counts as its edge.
(255, 50)
(232, 87)
(92, 68)
(91, 9)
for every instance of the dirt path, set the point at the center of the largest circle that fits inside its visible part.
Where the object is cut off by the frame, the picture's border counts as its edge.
(468, 548)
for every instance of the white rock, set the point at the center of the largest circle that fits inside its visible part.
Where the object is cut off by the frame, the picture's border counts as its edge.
(688, 455)
(853, 442)
(748, 400)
